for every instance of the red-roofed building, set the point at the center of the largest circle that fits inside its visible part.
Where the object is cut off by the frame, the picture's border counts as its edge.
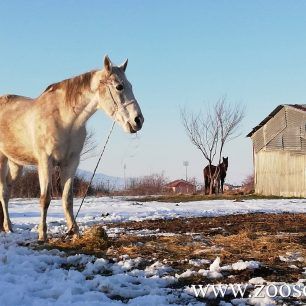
(180, 186)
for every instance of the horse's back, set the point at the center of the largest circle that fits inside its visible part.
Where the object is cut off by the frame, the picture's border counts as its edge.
(13, 101)
(13, 108)
(209, 169)
(13, 98)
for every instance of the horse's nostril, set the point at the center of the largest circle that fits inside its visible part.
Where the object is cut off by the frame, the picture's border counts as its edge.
(138, 121)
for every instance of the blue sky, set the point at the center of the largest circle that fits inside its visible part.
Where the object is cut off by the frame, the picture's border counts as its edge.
(181, 53)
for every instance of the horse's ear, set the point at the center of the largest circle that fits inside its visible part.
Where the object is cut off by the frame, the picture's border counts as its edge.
(123, 66)
(108, 64)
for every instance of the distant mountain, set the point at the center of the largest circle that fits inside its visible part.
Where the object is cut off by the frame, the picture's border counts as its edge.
(100, 178)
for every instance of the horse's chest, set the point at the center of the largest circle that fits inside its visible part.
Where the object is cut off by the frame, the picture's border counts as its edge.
(63, 147)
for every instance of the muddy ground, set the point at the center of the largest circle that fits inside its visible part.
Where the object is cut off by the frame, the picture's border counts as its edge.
(262, 237)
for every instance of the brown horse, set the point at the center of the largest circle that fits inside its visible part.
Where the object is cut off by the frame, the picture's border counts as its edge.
(217, 173)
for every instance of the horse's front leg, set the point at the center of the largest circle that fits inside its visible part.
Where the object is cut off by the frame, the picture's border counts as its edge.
(67, 176)
(44, 173)
(222, 185)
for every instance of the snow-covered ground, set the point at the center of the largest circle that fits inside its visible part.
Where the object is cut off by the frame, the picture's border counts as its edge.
(117, 209)
(31, 277)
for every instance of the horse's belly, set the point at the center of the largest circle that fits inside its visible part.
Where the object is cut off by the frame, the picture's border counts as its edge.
(19, 156)
(17, 149)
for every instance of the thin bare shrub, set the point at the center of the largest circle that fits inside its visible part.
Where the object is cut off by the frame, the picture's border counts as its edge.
(248, 184)
(27, 186)
(146, 185)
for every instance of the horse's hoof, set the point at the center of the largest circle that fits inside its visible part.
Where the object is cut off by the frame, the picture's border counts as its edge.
(8, 228)
(75, 237)
(74, 231)
(42, 241)
(42, 238)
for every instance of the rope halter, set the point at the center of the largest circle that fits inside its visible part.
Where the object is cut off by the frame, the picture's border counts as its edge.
(118, 106)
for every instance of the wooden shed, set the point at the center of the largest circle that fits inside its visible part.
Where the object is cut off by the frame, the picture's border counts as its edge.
(279, 146)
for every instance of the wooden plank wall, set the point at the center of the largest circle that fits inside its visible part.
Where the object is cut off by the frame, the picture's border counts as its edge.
(280, 173)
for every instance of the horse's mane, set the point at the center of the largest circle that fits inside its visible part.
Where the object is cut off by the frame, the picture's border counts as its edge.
(12, 98)
(73, 87)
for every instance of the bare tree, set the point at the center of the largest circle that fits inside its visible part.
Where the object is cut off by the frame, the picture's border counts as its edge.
(210, 131)
(229, 118)
(89, 146)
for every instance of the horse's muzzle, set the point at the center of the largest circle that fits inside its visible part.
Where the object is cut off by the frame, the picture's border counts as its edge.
(139, 121)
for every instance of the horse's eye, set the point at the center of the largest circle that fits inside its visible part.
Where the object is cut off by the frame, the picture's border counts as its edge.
(119, 87)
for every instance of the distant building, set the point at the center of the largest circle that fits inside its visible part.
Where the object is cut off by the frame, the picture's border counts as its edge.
(279, 146)
(180, 186)
(229, 187)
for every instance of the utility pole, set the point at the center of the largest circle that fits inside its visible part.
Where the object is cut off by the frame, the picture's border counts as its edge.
(124, 174)
(186, 164)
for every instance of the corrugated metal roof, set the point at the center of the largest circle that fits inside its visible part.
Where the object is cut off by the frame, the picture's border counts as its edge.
(298, 106)
(301, 107)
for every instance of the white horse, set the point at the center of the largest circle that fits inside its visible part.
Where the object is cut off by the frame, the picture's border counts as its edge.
(50, 131)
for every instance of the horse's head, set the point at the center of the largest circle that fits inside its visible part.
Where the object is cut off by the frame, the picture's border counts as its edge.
(116, 97)
(225, 162)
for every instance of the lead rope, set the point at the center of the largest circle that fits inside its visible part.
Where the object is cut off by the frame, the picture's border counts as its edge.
(92, 177)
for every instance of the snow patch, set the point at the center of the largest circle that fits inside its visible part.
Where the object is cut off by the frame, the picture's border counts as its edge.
(242, 265)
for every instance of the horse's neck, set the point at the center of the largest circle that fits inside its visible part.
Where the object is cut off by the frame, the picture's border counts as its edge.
(76, 116)
(84, 109)
(72, 116)
(223, 169)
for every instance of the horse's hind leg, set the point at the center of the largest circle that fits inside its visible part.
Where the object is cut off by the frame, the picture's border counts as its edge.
(14, 171)
(206, 184)
(1, 210)
(4, 193)
(11, 171)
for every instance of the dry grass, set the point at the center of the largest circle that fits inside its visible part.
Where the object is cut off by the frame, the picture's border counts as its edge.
(177, 198)
(170, 249)
(94, 241)
(259, 245)
(261, 237)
